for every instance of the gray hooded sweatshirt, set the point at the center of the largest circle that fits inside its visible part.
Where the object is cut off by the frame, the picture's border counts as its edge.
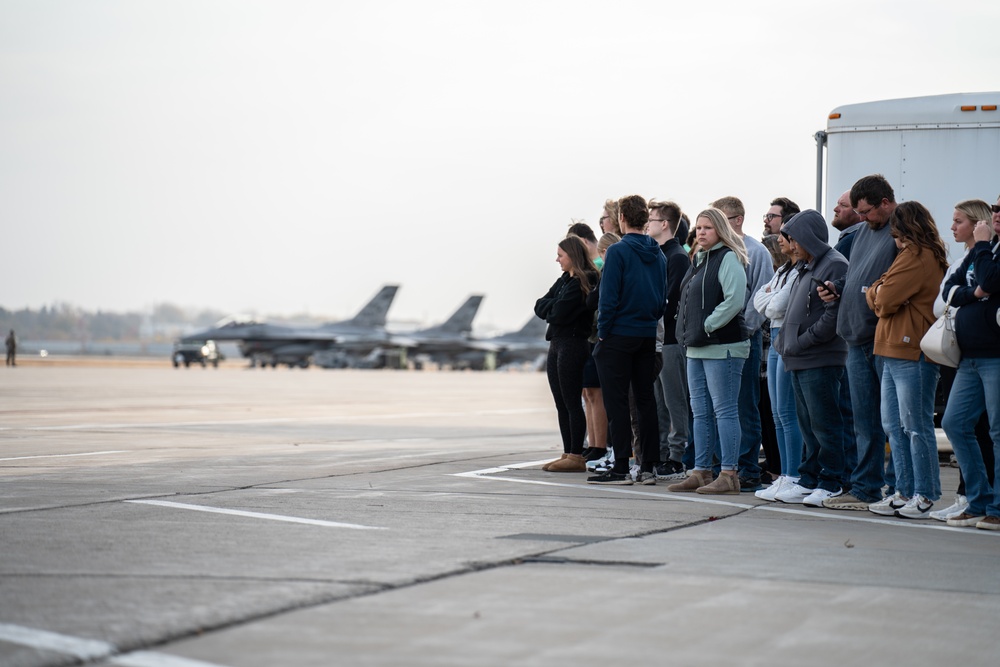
(808, 338)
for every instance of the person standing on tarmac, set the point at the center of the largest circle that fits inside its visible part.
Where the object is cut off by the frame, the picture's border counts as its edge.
(631, 304)
(11, 343)
(564, 307)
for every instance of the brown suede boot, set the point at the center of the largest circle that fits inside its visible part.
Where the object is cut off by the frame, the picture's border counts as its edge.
(726, 484)
(570, 463)
(549, 464)
(696, 479)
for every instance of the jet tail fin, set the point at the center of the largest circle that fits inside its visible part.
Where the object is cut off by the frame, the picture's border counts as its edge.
(461, 319)
(373, 313)
(535, 327)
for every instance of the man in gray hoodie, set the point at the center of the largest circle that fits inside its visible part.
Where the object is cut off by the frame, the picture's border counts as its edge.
(815, 356)
(872, 253)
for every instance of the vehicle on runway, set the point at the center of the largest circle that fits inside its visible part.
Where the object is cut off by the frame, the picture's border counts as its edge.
(202, 352)
(272, 345)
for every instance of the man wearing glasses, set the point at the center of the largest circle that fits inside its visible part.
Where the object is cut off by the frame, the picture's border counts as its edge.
(781, 211)
(759, 272)
(872, 252)
(666, 226)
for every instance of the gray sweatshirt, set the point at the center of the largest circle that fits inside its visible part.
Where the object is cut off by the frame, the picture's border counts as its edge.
(872, 254)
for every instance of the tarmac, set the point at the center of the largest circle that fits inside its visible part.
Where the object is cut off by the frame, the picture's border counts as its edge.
(160, 517)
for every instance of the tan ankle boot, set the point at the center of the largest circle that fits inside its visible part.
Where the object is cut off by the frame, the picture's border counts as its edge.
(696, 479)
(549, 464)
(726, 484)
(569, 463)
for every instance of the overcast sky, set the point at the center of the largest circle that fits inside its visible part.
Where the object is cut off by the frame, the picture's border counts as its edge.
(289, 157)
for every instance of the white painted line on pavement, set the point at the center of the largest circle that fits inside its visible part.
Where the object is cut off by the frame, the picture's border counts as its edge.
(56, 456)
(81, 649)
(151, 659)
(851, 515)
(490, 473)
(841, 515)
(91, 649)
(254, 515)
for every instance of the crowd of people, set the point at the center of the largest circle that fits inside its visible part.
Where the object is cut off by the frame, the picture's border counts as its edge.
(678, 352)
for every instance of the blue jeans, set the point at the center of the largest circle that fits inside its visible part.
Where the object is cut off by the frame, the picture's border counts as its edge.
(715, 392)
(786, 422)
(864, 374)
(817, 391)
(976, 387)
(749, 413)
(908, 389)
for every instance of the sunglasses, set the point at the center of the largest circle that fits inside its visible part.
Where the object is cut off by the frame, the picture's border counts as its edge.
(995, 208)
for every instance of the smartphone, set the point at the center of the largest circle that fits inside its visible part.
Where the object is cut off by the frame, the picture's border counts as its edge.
(820, 283)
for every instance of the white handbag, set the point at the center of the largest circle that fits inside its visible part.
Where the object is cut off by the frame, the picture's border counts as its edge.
(939, 344)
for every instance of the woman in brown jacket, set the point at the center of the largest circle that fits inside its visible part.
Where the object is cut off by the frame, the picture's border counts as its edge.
(903, 299)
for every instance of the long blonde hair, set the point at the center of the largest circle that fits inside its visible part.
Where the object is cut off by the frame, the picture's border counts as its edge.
(726, 233)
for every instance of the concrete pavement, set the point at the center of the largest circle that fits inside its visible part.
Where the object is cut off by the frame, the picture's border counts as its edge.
(154, 517)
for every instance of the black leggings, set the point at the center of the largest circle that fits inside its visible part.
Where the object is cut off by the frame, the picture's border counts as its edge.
(564, 367)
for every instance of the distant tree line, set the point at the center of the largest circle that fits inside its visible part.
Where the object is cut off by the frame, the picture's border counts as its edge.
(64, 322)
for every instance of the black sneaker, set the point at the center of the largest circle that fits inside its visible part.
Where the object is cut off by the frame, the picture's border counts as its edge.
(595, 453)
(609, 477)
(748, 484)
(670, 471)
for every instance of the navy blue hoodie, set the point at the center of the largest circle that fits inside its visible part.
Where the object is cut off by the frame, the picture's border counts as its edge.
(633, 288)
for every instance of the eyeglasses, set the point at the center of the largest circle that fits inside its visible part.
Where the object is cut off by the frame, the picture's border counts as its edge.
(864, 213)
(656, 220)
(995, 208)
(768, 217)
(605, 217)
(731, 217)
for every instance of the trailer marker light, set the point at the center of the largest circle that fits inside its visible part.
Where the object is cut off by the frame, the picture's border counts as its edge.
(968, 108)
(989, 107)
(834, 116)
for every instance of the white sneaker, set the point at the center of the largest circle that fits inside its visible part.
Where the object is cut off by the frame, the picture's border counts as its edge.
(816, 498)
(769, 492)
(918, 508)
(603, 464)
(633, 472)
(888, 505)
(793, 494)
(960, 505)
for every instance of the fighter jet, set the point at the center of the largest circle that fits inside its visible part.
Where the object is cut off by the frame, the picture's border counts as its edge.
(526, 344)
(444, 343)
(273, 344)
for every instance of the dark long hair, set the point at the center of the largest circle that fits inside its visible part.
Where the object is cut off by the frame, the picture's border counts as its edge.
(581, 266)
(912, 222)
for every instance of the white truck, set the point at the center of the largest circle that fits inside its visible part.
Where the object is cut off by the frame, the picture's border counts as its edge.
(938, 150)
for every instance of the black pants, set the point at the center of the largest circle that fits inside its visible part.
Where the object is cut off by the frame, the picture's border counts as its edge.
(625, 362)
(564, 366)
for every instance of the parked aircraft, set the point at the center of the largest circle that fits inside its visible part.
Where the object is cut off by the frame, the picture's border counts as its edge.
(526, 344)
(444, 343)
(273, 344)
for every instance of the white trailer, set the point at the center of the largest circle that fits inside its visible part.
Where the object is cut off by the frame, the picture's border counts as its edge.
(938, 150)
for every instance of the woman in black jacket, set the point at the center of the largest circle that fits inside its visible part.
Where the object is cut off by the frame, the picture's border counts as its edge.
(976, 286)
(570, 320)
